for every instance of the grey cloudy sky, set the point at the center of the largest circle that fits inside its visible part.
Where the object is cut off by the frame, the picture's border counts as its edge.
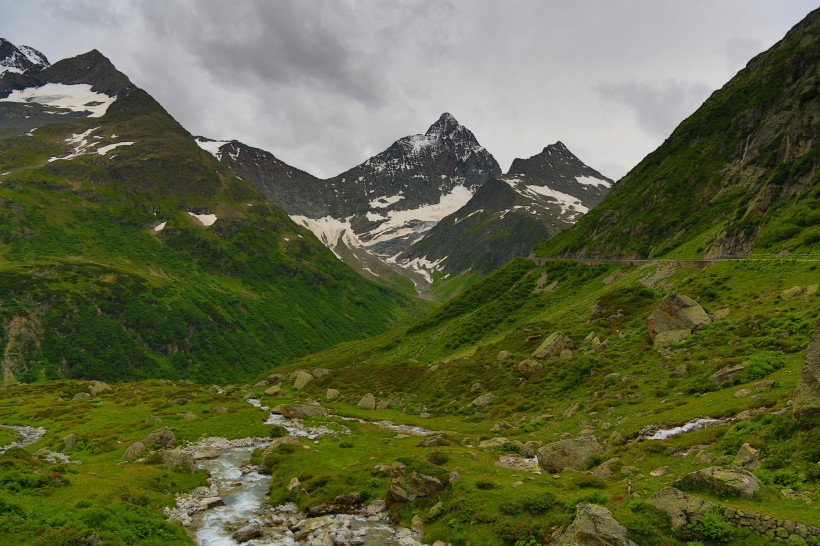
(324, 84)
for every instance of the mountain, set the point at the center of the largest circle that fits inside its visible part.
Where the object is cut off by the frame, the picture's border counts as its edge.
(738, 177)
(18, 60)
(129, 252)
(511, 213)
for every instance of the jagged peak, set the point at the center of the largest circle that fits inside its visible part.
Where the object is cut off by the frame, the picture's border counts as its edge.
(445, 125)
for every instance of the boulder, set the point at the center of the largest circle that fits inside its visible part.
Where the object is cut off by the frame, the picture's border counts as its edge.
(81, 397)
(616, 438)
(98, 387)
(729, 373)
(598, 345)
(594, 525)
(503, 355)
(483, 400)
(670, 337)
(722, 481)
(681, 508)
(573, 453)
(134, 450)
(607, 469)
(553, 345)
(177, 460)
(298, 411)
(434, 440)
(248, 532)
(69, 441)
(409, 485)
(162, 437)
(791, 293)
(747, 457)
(275, 378)
(211, 502)
(209, 452)
(529, 366)
(275, 390)
(319, 373)
(277, 444)
(742, 393)
(301, 379)
(332, 394)
(764, 385)
(676, 312)
(807, 395)
(367, 402)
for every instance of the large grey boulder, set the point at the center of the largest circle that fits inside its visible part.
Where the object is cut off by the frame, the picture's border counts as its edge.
(676, 313)
(681, 508)
(69, 441)
(573, 453)
(483, 400)
(594, 525)
(177, 460)
(135, 449)
(163, 437)
(368, 402)
(807, 395)
(553, 346)
(722, 481)
(248, 532)
(298, 411)
(98, 387)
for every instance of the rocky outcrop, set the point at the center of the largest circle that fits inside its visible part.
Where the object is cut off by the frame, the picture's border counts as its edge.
(721, 481)
(69, 441)
(807, 395)
(408, 485)
(553, 346)
(675, 317)
(681, 508)
(483, 400)
(134, 450)
(573, 454)
(177, 460)
(594, 525)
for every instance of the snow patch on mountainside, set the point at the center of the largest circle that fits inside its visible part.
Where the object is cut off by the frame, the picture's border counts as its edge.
(592, 181)
(206, 219)
(424, 267)
(330, 231)
(76, 98)
(212, 146)
(105, 149)
(571, 207)
(81, 145)
(384, 202)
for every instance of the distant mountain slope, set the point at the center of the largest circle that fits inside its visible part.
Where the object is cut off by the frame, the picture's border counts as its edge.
(511, 213)
(738, 176)
(127, 252)
(20, 59)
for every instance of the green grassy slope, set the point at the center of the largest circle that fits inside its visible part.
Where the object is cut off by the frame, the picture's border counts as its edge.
(90, 289)
(739, 176)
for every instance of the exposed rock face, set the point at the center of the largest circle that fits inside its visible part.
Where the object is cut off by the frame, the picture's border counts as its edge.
(722, 481)
(553, 346)
(573, 454)
(409, 485)
(676, 312)
(807, 395)
(298, 411)
(747, 457)
(681, 508)
(368, 402)
(302, 378)
(69, 441)
(163, 437)
(594, 526)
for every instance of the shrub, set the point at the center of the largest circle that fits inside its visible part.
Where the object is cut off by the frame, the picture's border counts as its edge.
(594, 461)
(539, 503)
(590, 482)
(486, 485)
(346, 445)
(711, 526)
(277, 431)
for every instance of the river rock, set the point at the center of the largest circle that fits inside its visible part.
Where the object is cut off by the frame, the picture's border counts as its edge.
(248, 532)
(332, 394)
(69, 441)
(553, 346)
(483, 400)
(206, 452)
(408, 485)
(807, 395)
(676, 312)
(211, 502)
(367, 402)
(162, 437)
(573, 453)
(298, 411)
(301, 379)
(594, 526)
(722, 481)
(275, 390)
(98, 387)
(134, 450)
(681, 508)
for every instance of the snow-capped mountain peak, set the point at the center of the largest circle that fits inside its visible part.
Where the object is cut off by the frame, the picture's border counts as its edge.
(20, 59)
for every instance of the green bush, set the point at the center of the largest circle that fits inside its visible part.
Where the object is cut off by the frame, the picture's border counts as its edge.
(711, 526)
(278, 431)
(486, 485)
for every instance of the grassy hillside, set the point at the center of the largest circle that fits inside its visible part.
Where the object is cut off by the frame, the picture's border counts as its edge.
(739, 176)
(91, 286)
